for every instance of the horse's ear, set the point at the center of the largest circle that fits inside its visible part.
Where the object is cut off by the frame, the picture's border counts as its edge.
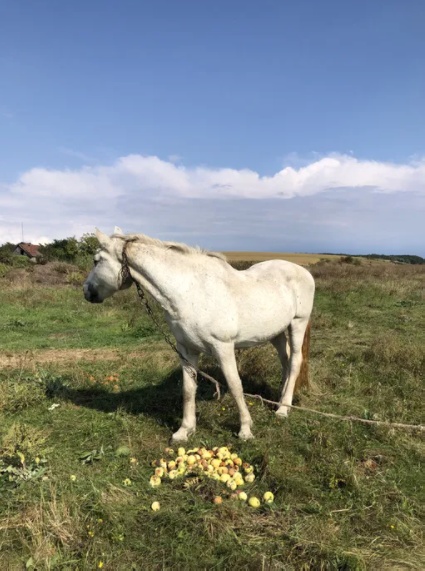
(104, 240)
(117, 230)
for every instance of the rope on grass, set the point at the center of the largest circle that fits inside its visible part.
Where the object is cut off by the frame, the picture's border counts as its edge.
(419, 427)
(350, 418)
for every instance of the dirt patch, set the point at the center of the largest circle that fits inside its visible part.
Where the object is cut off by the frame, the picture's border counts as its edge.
(31, 359)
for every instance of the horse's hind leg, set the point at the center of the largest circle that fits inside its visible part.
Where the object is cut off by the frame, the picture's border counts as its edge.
(296, 332)
(225, 354)
(188, 426)
(280, 344)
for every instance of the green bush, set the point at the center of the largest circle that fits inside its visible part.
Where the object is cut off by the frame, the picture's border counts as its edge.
(70, 249)
(6, 251)
(20, 262)
(4, 268)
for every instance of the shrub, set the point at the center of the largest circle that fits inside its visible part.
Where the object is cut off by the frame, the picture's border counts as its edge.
(4, 268)
(20, 262)
(6, 252)
(76, 278)
(350, 260)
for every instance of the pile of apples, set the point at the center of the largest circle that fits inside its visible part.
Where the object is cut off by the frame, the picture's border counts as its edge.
(219, 464)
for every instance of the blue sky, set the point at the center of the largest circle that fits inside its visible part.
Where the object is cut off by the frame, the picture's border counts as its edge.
(259, 125)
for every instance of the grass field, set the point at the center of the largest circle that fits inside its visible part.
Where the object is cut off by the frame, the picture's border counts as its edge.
(89, 396)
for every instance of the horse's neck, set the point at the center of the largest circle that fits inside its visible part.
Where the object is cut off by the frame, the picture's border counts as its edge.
(161, 272)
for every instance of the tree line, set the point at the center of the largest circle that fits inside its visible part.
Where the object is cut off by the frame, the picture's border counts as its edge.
(80, 251)
(396, 258)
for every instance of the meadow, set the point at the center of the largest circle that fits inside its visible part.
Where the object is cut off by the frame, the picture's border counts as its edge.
(90, 394)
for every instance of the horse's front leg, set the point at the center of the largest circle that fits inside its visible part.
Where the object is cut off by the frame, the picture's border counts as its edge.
(225, 354)
(188, 425)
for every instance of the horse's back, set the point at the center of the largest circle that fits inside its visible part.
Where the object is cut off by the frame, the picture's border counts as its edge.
(267, 297)
(282, 268)
(292, 278)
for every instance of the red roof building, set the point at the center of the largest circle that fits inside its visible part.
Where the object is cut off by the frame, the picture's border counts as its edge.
(26, 249)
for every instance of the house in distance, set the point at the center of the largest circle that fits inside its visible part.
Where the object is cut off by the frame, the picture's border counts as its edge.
(29, 250)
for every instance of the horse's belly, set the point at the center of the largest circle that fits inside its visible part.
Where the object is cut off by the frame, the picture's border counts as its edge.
(250, 337)
(248, 344)
(263, 323)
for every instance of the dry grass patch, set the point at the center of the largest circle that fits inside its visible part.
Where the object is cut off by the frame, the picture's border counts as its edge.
(390, 279)
(31, 360)
(43, 530)
(389, 351)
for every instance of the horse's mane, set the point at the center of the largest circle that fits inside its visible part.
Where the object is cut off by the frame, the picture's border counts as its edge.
(177, 246)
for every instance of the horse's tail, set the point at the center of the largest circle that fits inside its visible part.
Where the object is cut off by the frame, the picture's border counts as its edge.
(302, 379)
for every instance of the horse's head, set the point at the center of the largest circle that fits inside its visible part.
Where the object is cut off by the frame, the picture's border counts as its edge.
(106, 277)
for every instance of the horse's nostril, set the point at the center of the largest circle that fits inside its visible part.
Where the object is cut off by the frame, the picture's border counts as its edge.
(88, 292)
(91, 294)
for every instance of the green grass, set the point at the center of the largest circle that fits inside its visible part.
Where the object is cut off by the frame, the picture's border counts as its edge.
(44, 317)
(347, 496)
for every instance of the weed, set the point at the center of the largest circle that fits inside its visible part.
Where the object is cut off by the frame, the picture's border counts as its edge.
(16, 395)
(23, 440)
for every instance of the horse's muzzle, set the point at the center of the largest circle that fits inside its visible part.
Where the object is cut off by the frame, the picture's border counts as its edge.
(91, 295)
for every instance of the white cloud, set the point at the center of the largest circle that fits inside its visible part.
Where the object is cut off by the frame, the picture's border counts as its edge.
(144, 192)
(148, 174)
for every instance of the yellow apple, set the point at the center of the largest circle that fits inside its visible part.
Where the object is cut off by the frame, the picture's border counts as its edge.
(254, 502)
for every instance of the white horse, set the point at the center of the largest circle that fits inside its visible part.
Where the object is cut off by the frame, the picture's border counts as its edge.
(213, 308)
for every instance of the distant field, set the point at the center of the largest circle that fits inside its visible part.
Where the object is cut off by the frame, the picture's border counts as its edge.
(303, 259)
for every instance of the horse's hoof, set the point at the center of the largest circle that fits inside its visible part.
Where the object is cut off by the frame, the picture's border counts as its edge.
(182, 435)
(179, 437)
(245, 435)
(282, 411)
